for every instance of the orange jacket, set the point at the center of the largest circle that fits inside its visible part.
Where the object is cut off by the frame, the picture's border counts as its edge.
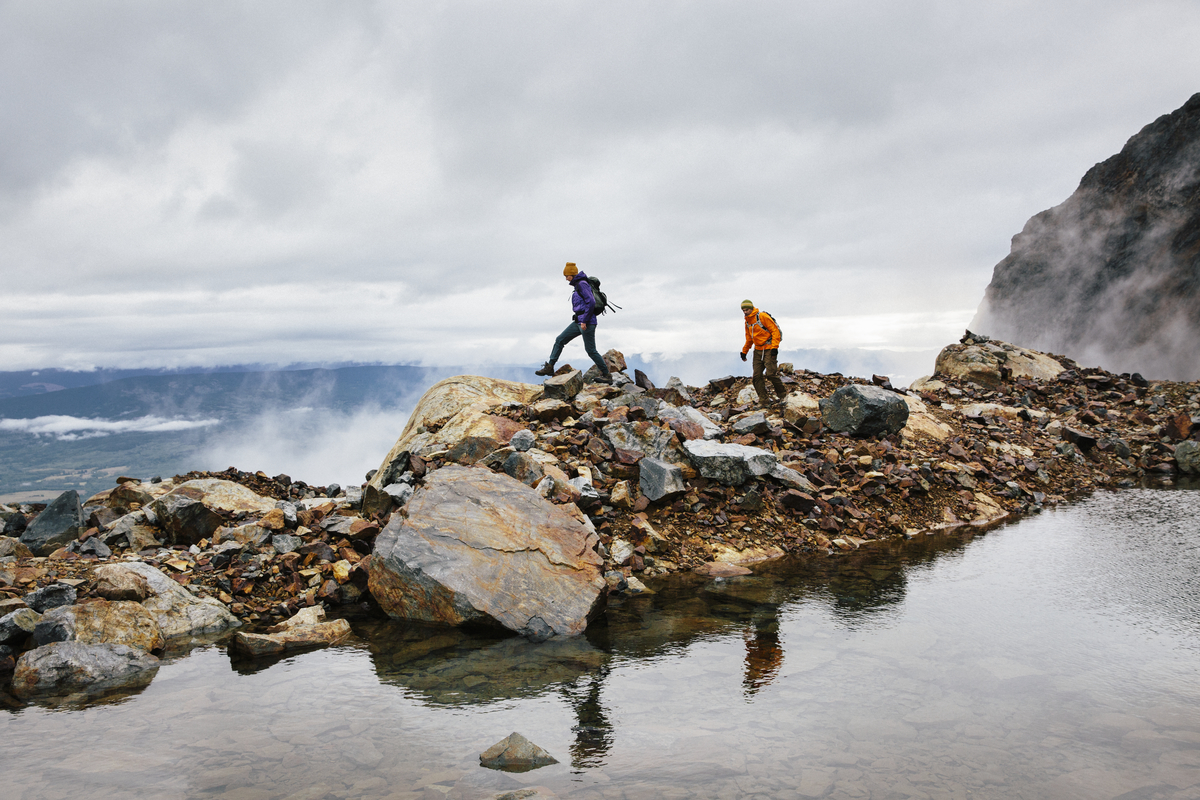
(761, 331)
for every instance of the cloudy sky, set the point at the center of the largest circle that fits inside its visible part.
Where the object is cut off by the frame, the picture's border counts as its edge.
(187, 184)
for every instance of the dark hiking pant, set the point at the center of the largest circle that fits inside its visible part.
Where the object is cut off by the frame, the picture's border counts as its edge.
(766, 368)
(589, 344)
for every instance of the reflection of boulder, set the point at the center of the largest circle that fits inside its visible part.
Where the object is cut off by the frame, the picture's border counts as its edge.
(479, 547)
(453, 666)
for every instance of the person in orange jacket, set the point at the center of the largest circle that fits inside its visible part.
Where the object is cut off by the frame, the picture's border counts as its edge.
(765, 336)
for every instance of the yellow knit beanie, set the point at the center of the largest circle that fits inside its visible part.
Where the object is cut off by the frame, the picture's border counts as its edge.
(570, 269)
(747, 304)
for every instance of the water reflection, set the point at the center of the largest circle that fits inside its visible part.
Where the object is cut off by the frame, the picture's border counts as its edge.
(1055, 658)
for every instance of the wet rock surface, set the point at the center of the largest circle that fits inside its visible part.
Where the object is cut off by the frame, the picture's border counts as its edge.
(515, 753)
(68, 666)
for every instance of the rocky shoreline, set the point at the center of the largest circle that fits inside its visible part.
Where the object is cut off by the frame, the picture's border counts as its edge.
(574, 488)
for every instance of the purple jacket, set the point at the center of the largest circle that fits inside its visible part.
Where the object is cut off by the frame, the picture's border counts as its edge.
(583, 303)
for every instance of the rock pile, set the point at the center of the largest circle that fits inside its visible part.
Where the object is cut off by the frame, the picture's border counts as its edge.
(494, 487)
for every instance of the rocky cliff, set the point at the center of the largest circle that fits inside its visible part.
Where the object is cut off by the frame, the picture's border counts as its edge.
(1112, 275)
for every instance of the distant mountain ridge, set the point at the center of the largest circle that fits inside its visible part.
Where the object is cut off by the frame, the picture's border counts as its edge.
(1111, 277)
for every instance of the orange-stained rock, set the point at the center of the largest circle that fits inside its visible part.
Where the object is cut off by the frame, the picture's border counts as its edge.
(481, 547)
(101, 622)
(273, 520)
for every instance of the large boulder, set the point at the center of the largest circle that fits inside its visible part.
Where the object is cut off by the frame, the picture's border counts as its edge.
(12, 521)
(986, 362)
(177, 611)
(61, 522)
(444, 414)
(730, 464)
(194, 510)
(64, 667)
(119, 622)
(480, 547)
(864, 411)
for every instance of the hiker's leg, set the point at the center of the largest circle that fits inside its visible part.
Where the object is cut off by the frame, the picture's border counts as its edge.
(589, 344)
(771, 372)
(569, 333)
(760, 385)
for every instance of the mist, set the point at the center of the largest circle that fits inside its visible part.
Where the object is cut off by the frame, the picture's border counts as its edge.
(319, 446)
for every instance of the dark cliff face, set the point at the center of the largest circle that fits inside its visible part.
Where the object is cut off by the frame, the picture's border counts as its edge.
(1112, 276)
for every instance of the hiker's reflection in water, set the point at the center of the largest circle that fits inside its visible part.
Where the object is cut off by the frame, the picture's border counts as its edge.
(764, 656)
(593, 731)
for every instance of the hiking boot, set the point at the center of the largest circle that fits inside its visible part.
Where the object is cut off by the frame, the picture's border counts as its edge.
(604, 379)
(547, 369)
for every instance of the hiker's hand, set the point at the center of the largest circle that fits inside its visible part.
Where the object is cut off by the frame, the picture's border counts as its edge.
(583, 326)
(743, 356)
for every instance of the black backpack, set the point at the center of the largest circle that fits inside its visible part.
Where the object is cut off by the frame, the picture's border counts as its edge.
(602, 302)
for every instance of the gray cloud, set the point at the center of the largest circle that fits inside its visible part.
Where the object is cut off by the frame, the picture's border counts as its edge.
(196, 184)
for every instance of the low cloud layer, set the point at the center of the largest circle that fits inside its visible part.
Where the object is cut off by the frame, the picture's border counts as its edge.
(318, 446)
(66, 428)
(190, 184)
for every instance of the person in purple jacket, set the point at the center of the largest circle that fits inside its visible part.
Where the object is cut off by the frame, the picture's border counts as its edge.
(583, 323)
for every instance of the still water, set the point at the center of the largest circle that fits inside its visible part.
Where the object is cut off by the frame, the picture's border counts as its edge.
(1057, 657)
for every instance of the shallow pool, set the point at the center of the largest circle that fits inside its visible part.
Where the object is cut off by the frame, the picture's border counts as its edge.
(1057, 657)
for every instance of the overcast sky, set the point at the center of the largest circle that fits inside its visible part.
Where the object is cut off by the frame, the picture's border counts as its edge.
(186, 184)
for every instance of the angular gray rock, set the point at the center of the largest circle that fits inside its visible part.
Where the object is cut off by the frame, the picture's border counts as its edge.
(285, 543)
(17, 625)
(563, 387)
(864, 411)
(515, 753)
(399, 492)
(12, 522)
(64, 667)
(659, 479)
(646, 438)
(711, 429)
(51, 596)
(522, 440)
(730, 464)
(480, 547)
(789, 477)
(185, 518)
(1187, 456)
(751, 423)
(60, 523)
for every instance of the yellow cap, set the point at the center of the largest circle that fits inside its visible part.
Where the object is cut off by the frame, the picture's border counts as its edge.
(570, 269)
(747, 304)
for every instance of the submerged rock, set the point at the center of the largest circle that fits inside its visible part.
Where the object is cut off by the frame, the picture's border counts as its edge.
(479, 547)
(515, 753)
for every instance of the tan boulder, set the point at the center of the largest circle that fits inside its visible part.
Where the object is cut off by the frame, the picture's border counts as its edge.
(177, 611)
(306, 629)
(981, 362)
(800, 405)
(480, 547)
(472, 437)
(921, 423)
(448, 411)
(115, 583)
(101, 622)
